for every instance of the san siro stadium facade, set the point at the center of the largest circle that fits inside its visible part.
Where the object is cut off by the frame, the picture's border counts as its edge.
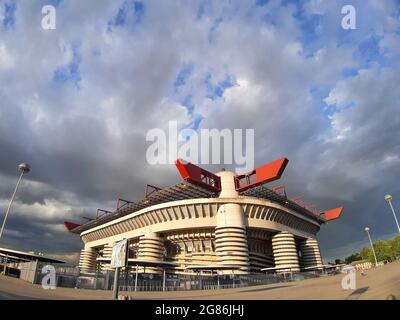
(220, 222)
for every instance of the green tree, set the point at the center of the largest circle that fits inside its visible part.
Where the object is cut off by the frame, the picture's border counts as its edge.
(353, 257)
(395, 245)
(366, 254)
(383, 251)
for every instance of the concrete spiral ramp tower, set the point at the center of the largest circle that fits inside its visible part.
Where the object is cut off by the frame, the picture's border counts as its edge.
(107, 253)
(310, 253)
(230, 233)
(151, 248)
(87, 261)
(285, 252)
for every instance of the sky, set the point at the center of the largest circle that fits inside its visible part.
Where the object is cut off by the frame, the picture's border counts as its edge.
(77, 102)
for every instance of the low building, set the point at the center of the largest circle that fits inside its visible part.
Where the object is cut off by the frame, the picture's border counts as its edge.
(24, 265)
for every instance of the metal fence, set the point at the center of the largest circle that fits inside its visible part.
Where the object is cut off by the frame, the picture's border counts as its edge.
(172, 282)
(198, 282)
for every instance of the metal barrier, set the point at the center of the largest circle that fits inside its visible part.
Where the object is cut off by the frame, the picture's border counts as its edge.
(190, 282)
(181, 282)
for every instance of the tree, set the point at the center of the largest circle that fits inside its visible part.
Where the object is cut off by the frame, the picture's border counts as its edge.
(383, 251)
(366, 254)
(353, 257)
(395, 245)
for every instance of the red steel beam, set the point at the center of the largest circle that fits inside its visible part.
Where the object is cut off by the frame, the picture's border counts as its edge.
(104, 212)
(280, 190)
(70, 225)
(312, 208)
(198, 176)
(332, 214)
(298, 200)
(149, 189)
(266, 173)
(124, 203)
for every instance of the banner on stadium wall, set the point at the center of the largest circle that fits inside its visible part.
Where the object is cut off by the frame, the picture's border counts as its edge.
(119, 254)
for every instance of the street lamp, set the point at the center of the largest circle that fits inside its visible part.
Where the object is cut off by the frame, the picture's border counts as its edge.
(23, 168)
(372, 246)
(388, 198)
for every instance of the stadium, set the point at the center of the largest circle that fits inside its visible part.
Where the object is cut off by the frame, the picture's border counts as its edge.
(222, 223)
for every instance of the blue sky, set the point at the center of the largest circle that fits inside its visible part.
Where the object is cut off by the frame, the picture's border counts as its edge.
(83, 96)
(9, 9)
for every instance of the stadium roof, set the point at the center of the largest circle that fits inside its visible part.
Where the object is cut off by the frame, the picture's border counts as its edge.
(179, 191)
(265, 193)
(199, 183)
(182, 191)
(20, 256)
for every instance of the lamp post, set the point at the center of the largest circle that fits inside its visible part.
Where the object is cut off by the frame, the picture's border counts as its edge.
(372, 246)
(388, 198)
(23, 168)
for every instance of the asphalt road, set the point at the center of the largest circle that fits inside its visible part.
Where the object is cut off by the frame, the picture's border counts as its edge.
(380, 283)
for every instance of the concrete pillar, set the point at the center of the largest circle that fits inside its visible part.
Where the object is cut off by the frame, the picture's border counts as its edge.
(230, 233)
(151, 248)
(87, 260)
(310, 253)
(285, 252)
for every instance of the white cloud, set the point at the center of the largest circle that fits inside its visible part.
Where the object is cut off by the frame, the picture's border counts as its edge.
(6, 59)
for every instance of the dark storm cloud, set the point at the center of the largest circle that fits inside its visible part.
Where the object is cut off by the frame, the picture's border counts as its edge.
(42, 237)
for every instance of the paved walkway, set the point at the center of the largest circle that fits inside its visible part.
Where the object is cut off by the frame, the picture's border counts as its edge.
(380, 283)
